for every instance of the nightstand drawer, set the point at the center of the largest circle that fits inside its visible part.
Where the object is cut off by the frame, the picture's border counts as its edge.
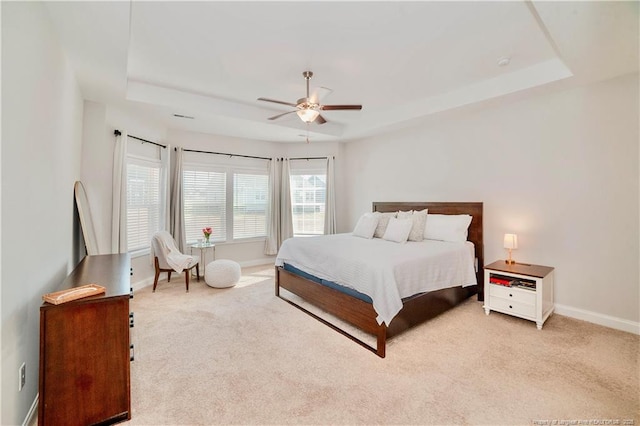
(513, 294)
(512, 307)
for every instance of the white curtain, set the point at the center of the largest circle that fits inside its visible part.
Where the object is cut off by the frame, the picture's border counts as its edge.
(286, 219)
(271, 244)
(330, 199)
(280, 221)
(119, 196)
(165, 179)
(176, 212)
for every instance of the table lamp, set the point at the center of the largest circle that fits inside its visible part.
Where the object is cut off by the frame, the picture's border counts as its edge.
(510, 243)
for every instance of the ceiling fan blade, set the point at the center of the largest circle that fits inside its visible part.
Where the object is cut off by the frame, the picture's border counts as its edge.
(319, 93)
(319, 120)
(340, 107)
(276, 101)
(280, 115)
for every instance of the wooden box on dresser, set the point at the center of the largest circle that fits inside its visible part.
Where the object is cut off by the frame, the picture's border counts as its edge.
(85, 348)
(531, 300)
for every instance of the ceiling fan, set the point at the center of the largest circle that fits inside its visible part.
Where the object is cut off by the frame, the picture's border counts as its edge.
(308, 108)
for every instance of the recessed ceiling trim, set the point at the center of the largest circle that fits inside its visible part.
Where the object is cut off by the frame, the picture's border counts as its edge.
(216, 107)
(543, 73)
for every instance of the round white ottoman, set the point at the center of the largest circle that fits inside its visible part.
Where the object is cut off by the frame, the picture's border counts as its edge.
(222, 273)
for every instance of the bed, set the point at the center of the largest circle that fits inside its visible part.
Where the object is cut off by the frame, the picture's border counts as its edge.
(353, 309)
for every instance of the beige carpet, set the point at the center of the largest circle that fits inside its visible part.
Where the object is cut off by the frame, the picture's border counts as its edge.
(243, 356)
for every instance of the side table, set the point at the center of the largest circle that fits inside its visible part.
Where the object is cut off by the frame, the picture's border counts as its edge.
(519, 289)
(204, 247)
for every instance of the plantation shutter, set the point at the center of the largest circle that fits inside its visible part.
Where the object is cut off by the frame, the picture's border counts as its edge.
(308, 193)
(250, 205)
(205, 193)
(143, 202)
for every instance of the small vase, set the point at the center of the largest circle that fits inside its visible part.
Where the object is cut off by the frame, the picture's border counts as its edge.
(206, 240)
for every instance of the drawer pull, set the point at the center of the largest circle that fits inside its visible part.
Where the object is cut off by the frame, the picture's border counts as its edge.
(510, 295)
(510, 307)
(131, 319)
(130, 292)
(132, 352)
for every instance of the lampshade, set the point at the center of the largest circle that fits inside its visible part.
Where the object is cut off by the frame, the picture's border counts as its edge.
(510, 241)
(308, 115)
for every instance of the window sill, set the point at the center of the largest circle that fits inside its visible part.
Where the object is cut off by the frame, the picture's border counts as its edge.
(242, 241)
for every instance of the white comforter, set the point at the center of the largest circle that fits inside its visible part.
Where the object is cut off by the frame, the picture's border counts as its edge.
(385, 271)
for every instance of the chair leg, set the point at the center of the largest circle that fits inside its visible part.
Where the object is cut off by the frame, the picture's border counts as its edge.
(155, 280)
(169, 277)
(187, 272)
(198, 271)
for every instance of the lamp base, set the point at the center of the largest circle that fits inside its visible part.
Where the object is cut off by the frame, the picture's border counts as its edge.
(509, 261)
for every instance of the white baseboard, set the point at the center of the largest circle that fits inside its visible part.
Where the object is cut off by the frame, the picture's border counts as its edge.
(245, 264)
(33, 411)
(600, 319)
(258, 262)
(142, 283)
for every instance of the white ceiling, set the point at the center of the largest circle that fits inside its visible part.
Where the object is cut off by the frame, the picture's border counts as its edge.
(400, 60)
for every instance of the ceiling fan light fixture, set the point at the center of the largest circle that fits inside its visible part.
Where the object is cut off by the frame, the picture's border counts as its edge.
(308, 108)
(308, 115)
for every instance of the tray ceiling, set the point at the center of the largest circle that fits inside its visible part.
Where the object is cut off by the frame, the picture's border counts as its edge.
(401, 60)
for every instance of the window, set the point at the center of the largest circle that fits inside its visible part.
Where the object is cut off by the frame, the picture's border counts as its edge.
(228, 194)
(144, 202)
(308, 191)
(250, 205)
(205, 202)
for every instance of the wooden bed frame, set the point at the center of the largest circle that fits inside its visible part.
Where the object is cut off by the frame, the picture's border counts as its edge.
(416, 309)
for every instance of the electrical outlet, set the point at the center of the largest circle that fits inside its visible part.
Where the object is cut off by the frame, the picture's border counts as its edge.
(22, 376)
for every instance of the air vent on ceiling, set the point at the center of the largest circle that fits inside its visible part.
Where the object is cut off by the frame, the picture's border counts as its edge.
(183, 116)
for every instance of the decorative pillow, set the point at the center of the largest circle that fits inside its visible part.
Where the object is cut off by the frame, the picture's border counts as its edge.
(446, 227)
(419, 223)
(404, 215)
(382, 223)
(398, 230)
(366, 225)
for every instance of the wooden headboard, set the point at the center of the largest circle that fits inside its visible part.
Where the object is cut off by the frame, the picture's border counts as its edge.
(475, 229)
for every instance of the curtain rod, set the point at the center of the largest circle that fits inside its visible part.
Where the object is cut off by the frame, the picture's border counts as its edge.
(310, 158)
(227, 154)
(118, 133)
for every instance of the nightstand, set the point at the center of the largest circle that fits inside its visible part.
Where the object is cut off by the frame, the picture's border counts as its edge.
(519, 289)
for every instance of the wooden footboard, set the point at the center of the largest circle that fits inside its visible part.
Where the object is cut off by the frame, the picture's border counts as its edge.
(349, 309)
(415, 310)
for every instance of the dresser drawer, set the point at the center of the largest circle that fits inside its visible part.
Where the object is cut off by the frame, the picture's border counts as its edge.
(513, 294)
(512, 307)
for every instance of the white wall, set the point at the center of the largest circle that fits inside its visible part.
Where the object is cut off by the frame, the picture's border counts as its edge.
(560, 170)
(96, 171)
(41, 135)
(98, 143)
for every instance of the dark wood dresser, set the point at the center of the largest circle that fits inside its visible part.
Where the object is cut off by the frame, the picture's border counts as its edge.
(85, 348)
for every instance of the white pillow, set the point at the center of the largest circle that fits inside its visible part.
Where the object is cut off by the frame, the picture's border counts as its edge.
(419, 223)
(404, 215)
(398, 230)
(382, 223)
(447, 227)
(366, 225)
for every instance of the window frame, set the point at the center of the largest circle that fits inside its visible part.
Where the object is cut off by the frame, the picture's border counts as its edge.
(210, 168)
(230, 171)
(310, 171)
(245, 170)
(156, 163)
